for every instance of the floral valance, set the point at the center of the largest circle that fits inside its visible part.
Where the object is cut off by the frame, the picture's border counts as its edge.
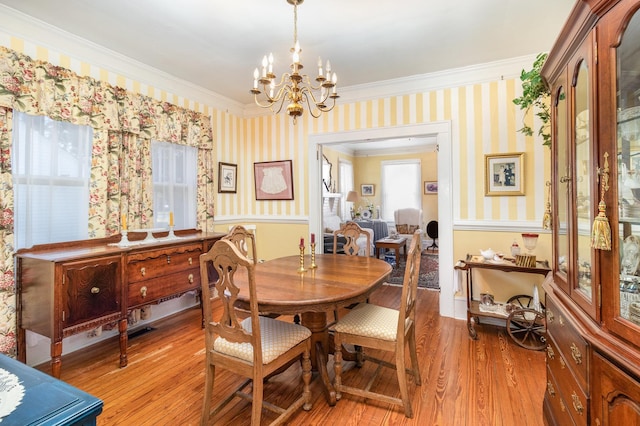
(38, 87)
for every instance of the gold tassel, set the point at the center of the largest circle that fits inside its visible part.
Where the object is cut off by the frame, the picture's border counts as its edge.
(601, 232)
(546, 218)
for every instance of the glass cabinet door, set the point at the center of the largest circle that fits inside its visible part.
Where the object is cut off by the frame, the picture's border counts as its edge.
(562, 183)
(628, 157)
(582, 172)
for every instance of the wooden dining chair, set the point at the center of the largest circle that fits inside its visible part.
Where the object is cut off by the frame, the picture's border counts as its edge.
(243, 239)
(255, 347)
(382, 328)
(351, 232)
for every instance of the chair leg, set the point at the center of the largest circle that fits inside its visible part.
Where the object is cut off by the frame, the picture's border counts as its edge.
(208, 390)
(402, 382)
(337, 365)
(256, 407)
(306, 379)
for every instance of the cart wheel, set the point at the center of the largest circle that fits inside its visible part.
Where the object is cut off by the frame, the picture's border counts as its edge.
(524, 301)
(527, 328)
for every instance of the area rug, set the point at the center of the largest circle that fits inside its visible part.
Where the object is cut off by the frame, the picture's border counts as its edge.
(428, 272)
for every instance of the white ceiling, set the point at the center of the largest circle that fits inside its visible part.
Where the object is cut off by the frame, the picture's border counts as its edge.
(216, 44)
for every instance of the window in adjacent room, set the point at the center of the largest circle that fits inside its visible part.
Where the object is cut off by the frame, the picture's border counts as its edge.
(51, 165)
(174, 171)
(401, 187)
(346, 185)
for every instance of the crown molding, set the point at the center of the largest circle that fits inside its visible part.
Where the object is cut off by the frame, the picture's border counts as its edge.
(39, 33)
(15, 23)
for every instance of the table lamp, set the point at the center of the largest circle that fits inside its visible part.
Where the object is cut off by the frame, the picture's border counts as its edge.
(352, 197)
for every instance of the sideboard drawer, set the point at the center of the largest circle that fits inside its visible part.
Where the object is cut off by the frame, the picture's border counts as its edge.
(156, 263)
(570, 342)
(155, 290)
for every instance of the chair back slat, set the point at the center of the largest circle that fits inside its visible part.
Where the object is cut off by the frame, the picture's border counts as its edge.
(351, 231)
(243, 239)
(228, 260)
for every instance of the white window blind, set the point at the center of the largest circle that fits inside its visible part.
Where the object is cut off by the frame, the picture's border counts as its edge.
(51, 165)
(401, 186)
(175, 174)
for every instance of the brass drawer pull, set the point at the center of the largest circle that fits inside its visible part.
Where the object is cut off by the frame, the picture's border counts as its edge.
(550, 316)
(143, 291)
(190, 261)
(190, 278)
(561, 321)
(562, 363)
(577, 405)
(550, 389)
(168, 259)
(576, 354)
(143, 271)
(565, 179)
(550, 353)
(95, 290)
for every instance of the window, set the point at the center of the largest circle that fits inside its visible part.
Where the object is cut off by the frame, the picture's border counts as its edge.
(174, 184)
(401, 186)
(51, 163)
(346, 185)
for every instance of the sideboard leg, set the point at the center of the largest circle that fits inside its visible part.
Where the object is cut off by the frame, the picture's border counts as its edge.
(56, 358)
(122, 328)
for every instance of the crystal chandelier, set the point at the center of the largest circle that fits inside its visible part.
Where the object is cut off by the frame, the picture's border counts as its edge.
(295, 88)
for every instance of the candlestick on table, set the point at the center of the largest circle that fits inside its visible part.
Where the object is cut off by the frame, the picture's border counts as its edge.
(301, 269)
(171, 219)
(313, 254)
(123, 222)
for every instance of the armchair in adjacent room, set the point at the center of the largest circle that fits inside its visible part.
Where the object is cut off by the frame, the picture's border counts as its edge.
(407, 221)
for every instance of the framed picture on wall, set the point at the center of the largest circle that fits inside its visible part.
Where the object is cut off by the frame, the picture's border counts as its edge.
(504, 174)
(366, 190)
(227, 177)
(430, 187)
(274, 180)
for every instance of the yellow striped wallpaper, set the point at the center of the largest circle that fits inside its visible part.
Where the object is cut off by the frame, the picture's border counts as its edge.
(483, 120)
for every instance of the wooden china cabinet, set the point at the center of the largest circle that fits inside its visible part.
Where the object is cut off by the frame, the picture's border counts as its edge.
(593, 294)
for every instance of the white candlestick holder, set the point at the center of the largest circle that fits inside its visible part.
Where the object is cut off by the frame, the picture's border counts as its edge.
(124, 240)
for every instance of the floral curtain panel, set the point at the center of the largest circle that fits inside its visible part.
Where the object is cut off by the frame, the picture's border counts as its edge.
(124, 124)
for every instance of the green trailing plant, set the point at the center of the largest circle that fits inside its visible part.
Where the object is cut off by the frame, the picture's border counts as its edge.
(535, 94)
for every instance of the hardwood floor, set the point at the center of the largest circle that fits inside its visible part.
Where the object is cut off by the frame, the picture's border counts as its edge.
(490, 381)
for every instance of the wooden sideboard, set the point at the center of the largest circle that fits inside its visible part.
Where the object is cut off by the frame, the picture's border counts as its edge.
(67, 288)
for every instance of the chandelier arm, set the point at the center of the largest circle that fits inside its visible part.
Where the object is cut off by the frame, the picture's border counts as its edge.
(313, 110)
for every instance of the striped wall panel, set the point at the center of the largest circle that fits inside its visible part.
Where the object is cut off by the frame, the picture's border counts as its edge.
(484, 120)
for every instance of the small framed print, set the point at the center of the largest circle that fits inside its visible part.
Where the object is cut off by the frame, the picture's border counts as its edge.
(227, 177)
(504, 174)
(274, 180)
(366, 190)
(430, 187)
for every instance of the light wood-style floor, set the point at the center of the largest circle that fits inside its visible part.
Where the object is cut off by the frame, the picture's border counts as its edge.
(490, 381)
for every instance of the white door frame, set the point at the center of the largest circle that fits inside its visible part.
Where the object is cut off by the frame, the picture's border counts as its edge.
(442, 131)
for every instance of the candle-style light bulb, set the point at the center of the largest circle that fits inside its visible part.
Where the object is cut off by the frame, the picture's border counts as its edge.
(264, 66)
(256, 74)
(270, 63)
(328, 67)
(319, 66)
(334, 80)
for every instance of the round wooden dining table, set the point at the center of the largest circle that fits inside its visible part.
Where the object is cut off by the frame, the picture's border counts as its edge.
(336, 282)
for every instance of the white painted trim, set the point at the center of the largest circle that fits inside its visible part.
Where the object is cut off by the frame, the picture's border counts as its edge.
(500, 226)
(442, 131)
